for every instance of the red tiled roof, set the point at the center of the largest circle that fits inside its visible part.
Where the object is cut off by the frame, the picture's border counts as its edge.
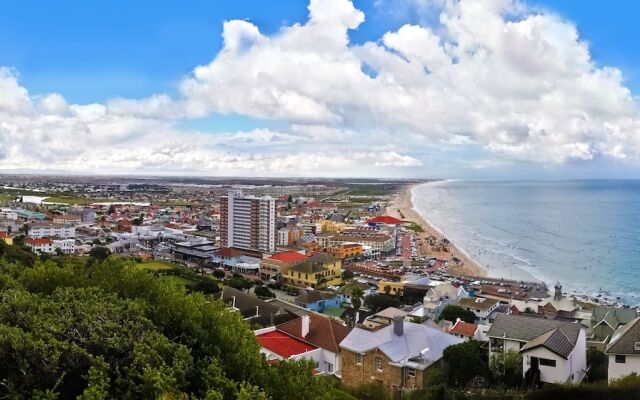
(36, 242)
(283, 344)
(464, 329)
(288, 257)
(4, 234)
(324, 332)
(384, 219)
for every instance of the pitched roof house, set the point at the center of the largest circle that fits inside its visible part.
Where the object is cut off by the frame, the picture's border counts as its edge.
(314, 337)
(396, 355)
(624, 350)
(552, 351)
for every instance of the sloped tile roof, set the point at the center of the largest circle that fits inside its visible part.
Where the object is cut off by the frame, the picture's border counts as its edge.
(324, 332)
(554, 340)
(625, 338)
(523, 328)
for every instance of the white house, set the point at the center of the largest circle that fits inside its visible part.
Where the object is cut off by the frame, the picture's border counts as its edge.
(552, 351)
(624, 350)
(49, 246)
(481, 307)
(313, 337)
(441, 295)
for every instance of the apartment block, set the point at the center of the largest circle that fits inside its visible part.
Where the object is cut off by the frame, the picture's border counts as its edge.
(248, 222)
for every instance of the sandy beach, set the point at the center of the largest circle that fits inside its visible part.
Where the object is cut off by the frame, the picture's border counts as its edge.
(430, 242)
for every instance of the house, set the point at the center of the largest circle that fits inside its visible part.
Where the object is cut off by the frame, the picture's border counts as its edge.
(274, 266)
(318, 271)
(482, 307)
(346, 250)
(552, 351)
(383, 318)
(624, 350)
(67, 219)
(439, 296)
(347, 291)
(254, 310)
(318, 301)
(40, 245)
(396, 355)
(384, 220)
(314, 337)
(6, 237)
(465, 330)
(605, 321)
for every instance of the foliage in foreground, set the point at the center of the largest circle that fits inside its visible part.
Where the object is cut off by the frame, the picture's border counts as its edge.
(108, 330)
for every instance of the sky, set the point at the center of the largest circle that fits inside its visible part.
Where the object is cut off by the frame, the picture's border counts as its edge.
(370, 88)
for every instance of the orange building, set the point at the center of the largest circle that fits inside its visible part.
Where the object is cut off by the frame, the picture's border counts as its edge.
(346, 250)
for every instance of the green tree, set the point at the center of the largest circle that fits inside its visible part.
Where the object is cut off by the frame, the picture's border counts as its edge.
(464, 362)
(506, 367)
(379, 302)
(452, 312)
(598, 365)
(99, 252)
(347, 275)
(263, 291)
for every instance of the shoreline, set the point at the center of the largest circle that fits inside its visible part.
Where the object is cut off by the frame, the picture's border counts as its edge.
(432, 241)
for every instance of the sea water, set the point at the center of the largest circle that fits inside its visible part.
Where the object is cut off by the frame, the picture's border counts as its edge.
(584, 234)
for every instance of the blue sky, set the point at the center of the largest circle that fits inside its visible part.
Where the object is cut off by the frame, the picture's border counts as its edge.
(94, 52)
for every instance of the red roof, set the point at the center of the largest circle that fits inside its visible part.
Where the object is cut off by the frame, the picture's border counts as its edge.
(282, 344)
(36, 242)
(385, 219)
(288, 257)
(324, 332)
(464, 329)
(4, 234)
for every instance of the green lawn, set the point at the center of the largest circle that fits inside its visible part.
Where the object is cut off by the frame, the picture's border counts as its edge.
(155, 265)
(177, 280)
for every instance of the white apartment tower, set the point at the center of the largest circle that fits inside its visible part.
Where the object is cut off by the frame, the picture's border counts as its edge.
(248, 222)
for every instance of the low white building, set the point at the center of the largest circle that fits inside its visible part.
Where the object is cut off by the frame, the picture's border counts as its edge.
(50, 246)
(481, 307)
(47, 229)
(552, 351)
(441, 295)
(624, 350)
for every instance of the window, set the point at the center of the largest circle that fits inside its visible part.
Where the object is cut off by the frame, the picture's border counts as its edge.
(359, 359)
(411, 372)
(547, 363)
(621, 359)
(329, 367)
(379, 364)
(317, 364)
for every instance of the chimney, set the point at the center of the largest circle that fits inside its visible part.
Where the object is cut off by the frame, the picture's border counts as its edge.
(398, 325)
(305, 325)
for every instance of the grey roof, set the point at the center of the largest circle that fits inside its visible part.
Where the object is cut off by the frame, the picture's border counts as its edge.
(522, 328)
(313, 296)
(313, 264)
(625, 338)
(554, 340)
(614, 317)
(416, 340)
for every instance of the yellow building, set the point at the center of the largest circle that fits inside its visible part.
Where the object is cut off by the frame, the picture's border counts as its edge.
(346, 250)
(330, 226)
(318, 271)
(6, 238)
(394, 288)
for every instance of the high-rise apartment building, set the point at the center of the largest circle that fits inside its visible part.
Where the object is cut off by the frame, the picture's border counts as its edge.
(248, 222)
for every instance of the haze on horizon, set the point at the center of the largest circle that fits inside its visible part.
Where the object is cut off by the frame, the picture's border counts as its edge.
(403, 88)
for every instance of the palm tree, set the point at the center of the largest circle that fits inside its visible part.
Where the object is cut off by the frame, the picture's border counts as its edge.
(356, 301)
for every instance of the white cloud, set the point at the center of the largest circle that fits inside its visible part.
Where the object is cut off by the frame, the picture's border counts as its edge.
(513, 81)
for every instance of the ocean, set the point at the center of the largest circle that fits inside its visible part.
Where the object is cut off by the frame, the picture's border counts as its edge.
(583, 233)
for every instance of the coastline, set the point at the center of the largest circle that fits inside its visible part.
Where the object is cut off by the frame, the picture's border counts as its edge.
(402, 207)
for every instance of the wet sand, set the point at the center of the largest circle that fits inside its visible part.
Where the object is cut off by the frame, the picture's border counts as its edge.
(402, 207)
